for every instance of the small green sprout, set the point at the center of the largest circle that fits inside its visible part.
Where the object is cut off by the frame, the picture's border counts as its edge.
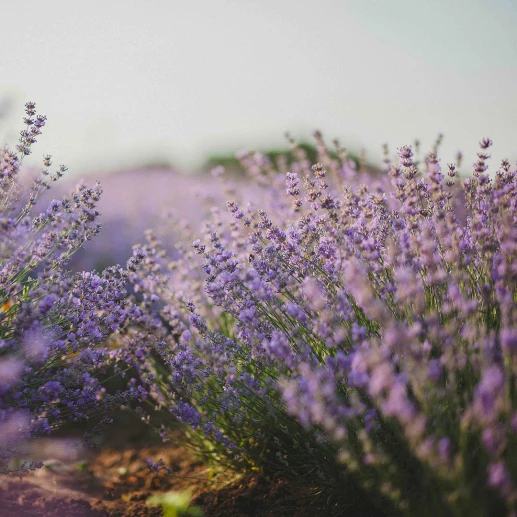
(81, 466)
(175, 504)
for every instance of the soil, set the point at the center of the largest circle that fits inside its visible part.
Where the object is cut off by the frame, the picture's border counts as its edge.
(114, 481)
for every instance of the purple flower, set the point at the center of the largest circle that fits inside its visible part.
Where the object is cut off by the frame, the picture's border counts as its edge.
(434, 370)
(499, 478)
(405, 154)
(381, 379)
(54, 207)
(508, 337)
(488, 393)
(40, 121)
(397, 403)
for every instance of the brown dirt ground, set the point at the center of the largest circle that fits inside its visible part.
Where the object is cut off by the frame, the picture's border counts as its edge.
(114, 481)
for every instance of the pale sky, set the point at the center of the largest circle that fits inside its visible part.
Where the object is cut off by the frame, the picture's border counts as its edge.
(139, 80)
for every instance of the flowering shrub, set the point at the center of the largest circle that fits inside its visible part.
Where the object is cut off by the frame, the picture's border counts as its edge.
(361, 332)
(52, 322)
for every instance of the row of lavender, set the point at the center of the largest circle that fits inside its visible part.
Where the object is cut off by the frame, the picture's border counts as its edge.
(355, 332)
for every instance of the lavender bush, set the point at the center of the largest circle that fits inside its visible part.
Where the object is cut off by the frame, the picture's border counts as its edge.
(360, 332)
(53, 324)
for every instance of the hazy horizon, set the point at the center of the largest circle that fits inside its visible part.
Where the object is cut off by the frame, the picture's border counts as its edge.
(132, 82)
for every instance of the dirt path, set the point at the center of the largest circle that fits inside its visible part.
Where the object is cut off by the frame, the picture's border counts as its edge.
(111, 482)
(114, 481)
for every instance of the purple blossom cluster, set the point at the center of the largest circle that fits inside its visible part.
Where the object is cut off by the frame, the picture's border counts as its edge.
(54, 325)
(350, 328)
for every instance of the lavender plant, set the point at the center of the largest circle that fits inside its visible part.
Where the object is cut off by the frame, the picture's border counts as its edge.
(53, 324)
(360, 332)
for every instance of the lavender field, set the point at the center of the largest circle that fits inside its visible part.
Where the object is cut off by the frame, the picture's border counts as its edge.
(303, 337)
